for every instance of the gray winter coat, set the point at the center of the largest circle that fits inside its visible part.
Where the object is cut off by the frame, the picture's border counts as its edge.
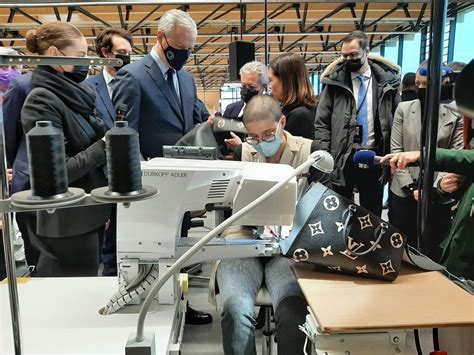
(335, 121)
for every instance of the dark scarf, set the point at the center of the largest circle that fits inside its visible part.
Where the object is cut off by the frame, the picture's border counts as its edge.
(79, 97)
(409, 95)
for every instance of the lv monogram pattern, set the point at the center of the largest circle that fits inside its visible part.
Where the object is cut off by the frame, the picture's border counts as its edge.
(321, 240)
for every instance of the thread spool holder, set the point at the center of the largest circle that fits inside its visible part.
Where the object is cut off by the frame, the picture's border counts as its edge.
(6, 206)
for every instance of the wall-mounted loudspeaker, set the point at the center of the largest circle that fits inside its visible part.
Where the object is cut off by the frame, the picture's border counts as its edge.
(240, 53)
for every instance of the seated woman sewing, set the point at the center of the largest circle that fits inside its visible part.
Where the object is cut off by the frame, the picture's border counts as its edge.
(239, 280)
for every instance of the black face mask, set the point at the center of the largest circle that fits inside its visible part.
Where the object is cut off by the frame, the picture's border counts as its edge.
(421, 94)
(125, 59)
(447, 93)
(176, 58)
(354, 65)
(79, 74)
(246, 94)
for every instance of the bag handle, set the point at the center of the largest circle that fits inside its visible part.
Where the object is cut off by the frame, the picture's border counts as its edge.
(379, 231)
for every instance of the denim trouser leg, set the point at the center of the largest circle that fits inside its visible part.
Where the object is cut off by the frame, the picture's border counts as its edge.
(289, 304)
(239, 281)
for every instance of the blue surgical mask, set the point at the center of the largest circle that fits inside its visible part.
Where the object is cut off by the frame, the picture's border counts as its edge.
(269, 149)
(176, 58)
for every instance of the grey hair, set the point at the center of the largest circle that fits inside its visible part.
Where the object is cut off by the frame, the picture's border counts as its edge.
(173, 18)
(8, 51)
(262, 108)
(256, 68)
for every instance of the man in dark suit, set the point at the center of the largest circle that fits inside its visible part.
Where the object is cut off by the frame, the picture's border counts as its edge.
(160, 97)
(254, 80)
(161, 100)
(17, 159)
(110, 43)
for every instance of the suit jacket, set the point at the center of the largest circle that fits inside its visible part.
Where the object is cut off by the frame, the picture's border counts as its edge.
(406, 132)
(103, 102)
(233, 110)
(85, 158)
(152, 110)
(15, 141)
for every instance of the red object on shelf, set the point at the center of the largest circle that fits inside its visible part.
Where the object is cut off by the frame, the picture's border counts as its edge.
(439, 352)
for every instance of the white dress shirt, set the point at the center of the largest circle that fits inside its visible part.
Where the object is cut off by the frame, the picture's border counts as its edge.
(108, 81)
(241, 113)
(369, 100)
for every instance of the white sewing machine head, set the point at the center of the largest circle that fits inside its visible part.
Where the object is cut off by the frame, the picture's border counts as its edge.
(150, 230)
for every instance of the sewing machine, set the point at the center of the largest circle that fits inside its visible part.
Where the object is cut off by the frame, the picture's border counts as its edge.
(153, 232)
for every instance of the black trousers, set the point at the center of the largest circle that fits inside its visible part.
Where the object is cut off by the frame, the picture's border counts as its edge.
(109, 249)
(24, 220)
(368, 183)
(403, 212)
(68, 256)
(404, 217)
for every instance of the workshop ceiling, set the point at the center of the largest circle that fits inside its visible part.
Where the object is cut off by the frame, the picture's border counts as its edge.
(313, 28)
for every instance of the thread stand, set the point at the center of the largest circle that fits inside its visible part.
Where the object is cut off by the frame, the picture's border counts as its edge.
(26, 200)
(104, 195)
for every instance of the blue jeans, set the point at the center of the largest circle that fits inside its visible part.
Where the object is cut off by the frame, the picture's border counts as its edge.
(239, 281)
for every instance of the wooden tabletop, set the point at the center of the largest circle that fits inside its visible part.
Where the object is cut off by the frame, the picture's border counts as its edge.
(415, 299)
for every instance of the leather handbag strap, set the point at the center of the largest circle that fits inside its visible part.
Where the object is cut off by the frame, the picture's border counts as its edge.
(378, 233)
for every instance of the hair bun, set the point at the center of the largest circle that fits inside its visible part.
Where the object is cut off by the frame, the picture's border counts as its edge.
(31, 41)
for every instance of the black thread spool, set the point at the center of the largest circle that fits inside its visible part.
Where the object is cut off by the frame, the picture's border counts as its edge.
(123, 160)
(48, 173)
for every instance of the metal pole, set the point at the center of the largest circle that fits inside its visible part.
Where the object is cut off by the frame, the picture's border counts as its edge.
(6, 217)
(8, 247)
(439, 11)
(266, 31)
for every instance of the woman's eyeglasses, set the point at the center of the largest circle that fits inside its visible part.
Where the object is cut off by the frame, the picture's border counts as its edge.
(267, 137)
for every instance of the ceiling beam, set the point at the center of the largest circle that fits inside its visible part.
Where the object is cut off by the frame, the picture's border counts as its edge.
(135, 27)
(48, 3)
(199, 24)
(20, 11)
(388, 13)
(362, 17)
(312, 26)
(120, 14)
(92, 16)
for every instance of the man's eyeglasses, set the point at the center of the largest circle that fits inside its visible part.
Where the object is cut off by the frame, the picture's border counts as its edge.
(267, 137)
(353, 55)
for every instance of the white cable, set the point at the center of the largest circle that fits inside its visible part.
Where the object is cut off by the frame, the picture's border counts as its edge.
(305, 330)
(208, 237)
(123, 296)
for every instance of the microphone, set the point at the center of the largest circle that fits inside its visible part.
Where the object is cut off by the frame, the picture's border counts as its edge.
(369, 158)
(323, 161)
